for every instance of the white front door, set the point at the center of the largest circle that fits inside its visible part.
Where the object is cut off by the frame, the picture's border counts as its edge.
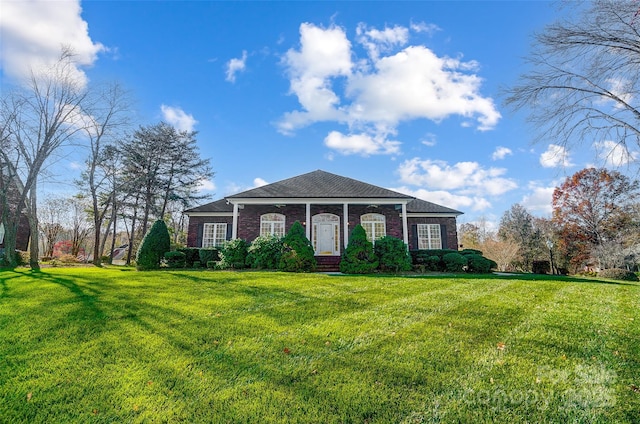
(326, 239)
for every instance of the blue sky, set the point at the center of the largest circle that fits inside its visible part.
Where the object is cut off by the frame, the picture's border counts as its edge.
(404, 95)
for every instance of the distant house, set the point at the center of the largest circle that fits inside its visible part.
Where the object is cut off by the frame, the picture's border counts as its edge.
(329, 206)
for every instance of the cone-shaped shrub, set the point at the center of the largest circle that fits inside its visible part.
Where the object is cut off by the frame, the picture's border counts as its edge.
(154, 245)
(297, 252)
(358, 257)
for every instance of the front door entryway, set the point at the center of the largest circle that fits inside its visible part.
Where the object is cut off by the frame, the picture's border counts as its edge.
(326, 234)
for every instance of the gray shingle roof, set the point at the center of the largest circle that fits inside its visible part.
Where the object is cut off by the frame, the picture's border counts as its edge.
(320, 184)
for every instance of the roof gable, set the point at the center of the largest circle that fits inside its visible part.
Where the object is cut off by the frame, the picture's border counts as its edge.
(319, 184)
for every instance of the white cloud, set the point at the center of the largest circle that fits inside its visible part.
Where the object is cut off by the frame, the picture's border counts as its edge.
(259, 182)
(206, 185)
(465, 177)
(539, 199)
(362, 144)
(178, 118)
(236, 65)
(34, 31)
(555, 156)
(76, 165)
(615, 154)
(442, 197)
(501, 153)
(429, 140)
(424, 27)
(378, 93)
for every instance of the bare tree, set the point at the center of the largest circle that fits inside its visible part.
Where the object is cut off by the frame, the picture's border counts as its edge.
(584, 84)
(51, 219)
(36, 121)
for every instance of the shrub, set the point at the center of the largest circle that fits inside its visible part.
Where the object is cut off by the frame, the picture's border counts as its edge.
(479, 264)
(434, 263)
(618, 274)
(297, 252)
(233, 254)
(207, 255)
(68, 259)
(175, 259)
(265, 252)
(22, 258)
(454, 262)
(211, 264)
(540, 267)
(197, 264)
(358, 257)
(192, 254)
(392, 254)
(153, 247)
(466, 252)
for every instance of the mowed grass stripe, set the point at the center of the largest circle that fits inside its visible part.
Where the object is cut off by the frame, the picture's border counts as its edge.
(115, 345)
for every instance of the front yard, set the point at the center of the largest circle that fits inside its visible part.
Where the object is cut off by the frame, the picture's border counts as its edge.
(116, 345)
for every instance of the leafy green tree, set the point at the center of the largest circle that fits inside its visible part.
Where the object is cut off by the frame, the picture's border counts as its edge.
(297, 251)
(154, 245)
(517, 225)
(358, 257)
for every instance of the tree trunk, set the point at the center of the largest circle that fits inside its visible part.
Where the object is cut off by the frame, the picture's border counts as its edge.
(34, 248)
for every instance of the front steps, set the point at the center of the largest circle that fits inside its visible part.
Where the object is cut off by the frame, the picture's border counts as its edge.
(328, 263)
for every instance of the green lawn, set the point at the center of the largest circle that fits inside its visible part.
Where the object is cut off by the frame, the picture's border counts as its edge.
(116, 345)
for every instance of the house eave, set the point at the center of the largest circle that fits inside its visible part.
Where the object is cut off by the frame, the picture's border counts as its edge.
(432, 215)
(208, 213)
(317, 200)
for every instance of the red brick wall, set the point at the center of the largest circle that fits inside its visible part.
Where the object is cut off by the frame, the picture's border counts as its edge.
(451, 229)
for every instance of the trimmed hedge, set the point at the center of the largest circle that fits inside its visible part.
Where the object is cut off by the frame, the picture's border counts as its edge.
(479, 264)
(618, 274)
(175, 259)
(207, 255)
(454, 262)
(192, 255)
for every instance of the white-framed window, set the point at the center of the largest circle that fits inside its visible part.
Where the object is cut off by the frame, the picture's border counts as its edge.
(429, 236)
(375, 225)
(272, 224)
(214, 234)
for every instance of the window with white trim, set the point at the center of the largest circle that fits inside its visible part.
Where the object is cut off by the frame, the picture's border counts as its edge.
(429, 236)
(214, 234)
(375, 225)
(272, 224)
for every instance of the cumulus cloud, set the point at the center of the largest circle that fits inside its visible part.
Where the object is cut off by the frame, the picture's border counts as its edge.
(206, 185)
(451, 200)
(615, 154)
(555, 156)
(33, 33)
(259, 182)
(501, 153)
(178, 118)
(538, 199)
(236, 65)
(362, 144)
(465, 177)
(394, 83)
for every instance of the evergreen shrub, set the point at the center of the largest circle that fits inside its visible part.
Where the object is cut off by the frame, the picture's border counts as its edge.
(297, 251)
(192, 254)
(618, 274)
(359, 256)
(233, 254)
(175, 259)
(265, 252)
(392, 254)
(454, 262)
(479, 264)
(208, 254)
(153, 247)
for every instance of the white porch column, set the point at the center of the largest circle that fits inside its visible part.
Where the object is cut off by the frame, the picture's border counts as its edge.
(308, 222)
(405, 227)
(234, 229)
(345, 224)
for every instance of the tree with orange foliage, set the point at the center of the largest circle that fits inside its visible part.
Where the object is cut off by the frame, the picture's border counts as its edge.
(591, 208)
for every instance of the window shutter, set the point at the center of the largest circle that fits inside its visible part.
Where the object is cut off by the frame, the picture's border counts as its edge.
(443, 236)
(414, 237)
(228, 237)
(199, 235)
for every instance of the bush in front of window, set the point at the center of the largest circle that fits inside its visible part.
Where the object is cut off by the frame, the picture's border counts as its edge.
(265, 252)
(392, 254)
(192, 254)
(233, 254)
(153, 247)
(207, 255)
(454, 262)
(358, 257)
(297, 252)
(175, 259)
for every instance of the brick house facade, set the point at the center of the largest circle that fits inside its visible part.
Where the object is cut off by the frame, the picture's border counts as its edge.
(321, 201)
